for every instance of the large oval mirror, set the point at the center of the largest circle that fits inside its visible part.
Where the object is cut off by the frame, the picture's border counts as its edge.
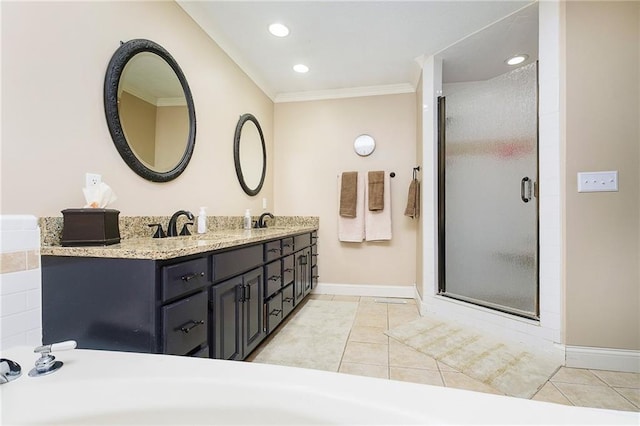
(149, 110)
(249, 154)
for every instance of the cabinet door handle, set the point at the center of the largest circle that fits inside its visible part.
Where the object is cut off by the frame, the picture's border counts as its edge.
(240, 293)
(190, 325)
(303, 260)
(247, 287)
(274, 278)
(275, 312)
(191, 276)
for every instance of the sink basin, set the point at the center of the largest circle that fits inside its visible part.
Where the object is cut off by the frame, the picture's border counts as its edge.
(105, 387)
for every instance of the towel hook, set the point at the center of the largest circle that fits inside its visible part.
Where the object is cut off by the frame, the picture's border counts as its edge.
(415, 171)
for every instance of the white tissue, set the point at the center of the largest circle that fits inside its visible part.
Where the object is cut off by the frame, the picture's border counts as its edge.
(99, 196)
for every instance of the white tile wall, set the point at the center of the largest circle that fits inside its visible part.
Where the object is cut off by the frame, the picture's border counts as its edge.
(20, 282)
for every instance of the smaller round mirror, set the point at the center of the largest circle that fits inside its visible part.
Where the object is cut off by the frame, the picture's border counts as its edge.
(250, 155)
(364, 145)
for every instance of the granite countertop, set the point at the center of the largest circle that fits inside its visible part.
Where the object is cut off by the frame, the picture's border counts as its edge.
(136, 243)
(172, 247)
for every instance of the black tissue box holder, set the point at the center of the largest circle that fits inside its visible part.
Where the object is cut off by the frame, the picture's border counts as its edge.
(90, 227)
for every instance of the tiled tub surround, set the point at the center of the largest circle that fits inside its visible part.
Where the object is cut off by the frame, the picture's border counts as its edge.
(20, 281)
(136, 242)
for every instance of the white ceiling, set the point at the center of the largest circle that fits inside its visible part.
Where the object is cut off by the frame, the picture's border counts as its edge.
(364, 45)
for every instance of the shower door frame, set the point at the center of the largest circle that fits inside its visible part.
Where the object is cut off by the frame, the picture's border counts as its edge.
(440, 122)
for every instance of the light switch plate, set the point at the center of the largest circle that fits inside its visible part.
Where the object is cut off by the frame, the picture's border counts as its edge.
(598, 181)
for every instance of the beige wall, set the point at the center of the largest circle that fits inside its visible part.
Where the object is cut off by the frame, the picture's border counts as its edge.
(315, 144)
(602, 229)
(54, 58)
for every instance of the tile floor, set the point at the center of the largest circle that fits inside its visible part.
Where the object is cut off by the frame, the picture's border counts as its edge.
(369, 352)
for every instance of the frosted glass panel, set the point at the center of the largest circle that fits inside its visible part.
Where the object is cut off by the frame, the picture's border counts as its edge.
(491, 234)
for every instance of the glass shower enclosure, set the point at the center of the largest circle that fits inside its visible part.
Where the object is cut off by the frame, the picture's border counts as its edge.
(487, 192)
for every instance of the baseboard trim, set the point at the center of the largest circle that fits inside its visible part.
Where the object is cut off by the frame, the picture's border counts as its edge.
(406, 291)
(603, 358)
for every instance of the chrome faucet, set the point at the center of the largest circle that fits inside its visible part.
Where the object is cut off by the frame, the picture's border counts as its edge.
(172, 230)
(9, 370)
(261, 223)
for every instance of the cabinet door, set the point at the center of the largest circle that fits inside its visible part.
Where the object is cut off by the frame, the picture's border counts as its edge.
(227, 317)
(306, 266)
(298, 281)
(253, 295)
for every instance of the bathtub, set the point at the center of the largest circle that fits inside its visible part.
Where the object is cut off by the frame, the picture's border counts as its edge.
(104, 387)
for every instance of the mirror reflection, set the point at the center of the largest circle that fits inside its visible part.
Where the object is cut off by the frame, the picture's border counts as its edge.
(153, 111)
(250, 154)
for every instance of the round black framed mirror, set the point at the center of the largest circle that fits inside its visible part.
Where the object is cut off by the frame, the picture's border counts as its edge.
(149, 110)
(250, 154)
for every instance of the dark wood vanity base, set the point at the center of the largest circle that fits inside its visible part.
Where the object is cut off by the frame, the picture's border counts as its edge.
(219, 304)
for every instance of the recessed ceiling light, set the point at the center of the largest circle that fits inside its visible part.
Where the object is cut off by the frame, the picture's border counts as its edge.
(278, 30)
(301, 68)
(517, 59)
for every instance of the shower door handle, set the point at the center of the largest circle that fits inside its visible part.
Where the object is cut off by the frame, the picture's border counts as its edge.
(525, 189)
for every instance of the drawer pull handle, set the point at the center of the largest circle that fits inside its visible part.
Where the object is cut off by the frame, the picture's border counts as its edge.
(190, 326)
(274, 278)
(286, 245)
(288, 270)
(191, 276)
(315, 276)
(288, 299)
(273, 250)
(275, 312)
(314, 255)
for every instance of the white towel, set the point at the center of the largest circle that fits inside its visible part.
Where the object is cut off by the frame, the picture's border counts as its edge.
(351, 229)
(377, 224)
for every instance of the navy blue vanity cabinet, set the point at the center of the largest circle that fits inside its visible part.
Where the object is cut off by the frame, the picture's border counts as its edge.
(100, 303)
(314, 259)
(126, 304)
(237, 303)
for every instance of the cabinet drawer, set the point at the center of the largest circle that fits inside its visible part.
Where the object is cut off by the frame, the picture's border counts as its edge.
(235, 262)
(273, 278)
(272, 250)
(288, 301)
(201, 353)
(274, 312)
(184, 324)
(287, 269)
(302, 241)
(287, 245)
(183, 277)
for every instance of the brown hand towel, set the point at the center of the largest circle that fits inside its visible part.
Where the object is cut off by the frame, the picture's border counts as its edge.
(348, 194)
(376, 191)
(413, 200)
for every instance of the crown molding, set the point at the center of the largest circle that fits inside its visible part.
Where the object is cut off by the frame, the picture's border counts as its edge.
(353, 92)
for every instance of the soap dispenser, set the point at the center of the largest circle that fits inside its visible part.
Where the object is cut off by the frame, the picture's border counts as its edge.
(247, 220)
(202, 221)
